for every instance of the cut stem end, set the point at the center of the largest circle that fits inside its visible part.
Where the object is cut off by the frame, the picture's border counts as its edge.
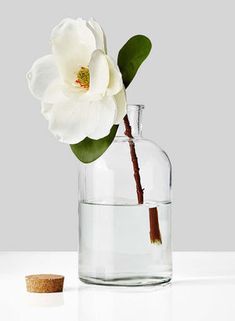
(155, 234)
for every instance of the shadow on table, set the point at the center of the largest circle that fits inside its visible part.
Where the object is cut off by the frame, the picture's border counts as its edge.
(45, 299)
(122, 303)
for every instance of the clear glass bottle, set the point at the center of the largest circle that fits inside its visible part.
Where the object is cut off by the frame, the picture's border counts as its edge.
(125, 234)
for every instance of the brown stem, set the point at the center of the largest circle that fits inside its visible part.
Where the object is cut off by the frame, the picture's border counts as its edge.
(139, 189)
(155, 235)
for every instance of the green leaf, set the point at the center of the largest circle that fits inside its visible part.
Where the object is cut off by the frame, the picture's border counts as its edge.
(132, 55)
(89, 149)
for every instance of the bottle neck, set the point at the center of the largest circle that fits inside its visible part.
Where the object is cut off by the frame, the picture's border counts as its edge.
(134, 113)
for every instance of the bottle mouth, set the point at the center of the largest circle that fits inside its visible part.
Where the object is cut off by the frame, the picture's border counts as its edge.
(135, 107)
(134, 113)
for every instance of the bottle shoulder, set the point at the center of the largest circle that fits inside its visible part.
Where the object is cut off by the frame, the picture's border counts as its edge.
(146, 148)
(156, 147)
(157, 150)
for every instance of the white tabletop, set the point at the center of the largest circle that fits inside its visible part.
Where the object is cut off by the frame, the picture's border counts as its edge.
(203, 288)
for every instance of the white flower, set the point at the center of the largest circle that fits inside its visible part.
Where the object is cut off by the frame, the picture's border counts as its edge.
(79, 85)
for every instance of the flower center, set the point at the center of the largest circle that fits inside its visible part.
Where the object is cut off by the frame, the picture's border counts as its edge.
(83, 78)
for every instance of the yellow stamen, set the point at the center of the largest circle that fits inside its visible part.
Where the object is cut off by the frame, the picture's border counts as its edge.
(83, 78)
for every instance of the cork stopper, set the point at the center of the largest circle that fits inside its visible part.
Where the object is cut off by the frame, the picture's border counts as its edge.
(44, 283)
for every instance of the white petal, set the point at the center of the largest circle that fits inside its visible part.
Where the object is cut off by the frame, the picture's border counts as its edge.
(54, 92)
(75, 92)
(99, 73)
(58, 91)
(98, 33)
(107, 112)
(46, 110)
(72, 44)
(42, 73)
(71, 120)
(115, 78)
(121, 103)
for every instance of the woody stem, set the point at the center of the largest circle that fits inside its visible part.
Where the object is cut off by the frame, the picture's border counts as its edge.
(155, 235)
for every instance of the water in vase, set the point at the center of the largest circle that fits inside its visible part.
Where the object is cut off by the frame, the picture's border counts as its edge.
(115, 246)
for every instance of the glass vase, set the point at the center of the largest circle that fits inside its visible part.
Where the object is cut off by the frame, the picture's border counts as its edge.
(125, 211)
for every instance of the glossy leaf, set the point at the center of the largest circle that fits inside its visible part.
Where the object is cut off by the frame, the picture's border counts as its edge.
(132, 55)
(89, 149)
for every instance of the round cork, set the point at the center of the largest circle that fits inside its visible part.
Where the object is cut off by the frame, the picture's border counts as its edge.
(44, 283)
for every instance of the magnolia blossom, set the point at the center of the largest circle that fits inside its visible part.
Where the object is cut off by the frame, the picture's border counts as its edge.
(79, 85)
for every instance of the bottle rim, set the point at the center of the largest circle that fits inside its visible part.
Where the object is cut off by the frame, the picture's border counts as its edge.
(135, 106)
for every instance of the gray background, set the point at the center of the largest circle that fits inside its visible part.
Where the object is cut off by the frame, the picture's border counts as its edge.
(188, 87)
